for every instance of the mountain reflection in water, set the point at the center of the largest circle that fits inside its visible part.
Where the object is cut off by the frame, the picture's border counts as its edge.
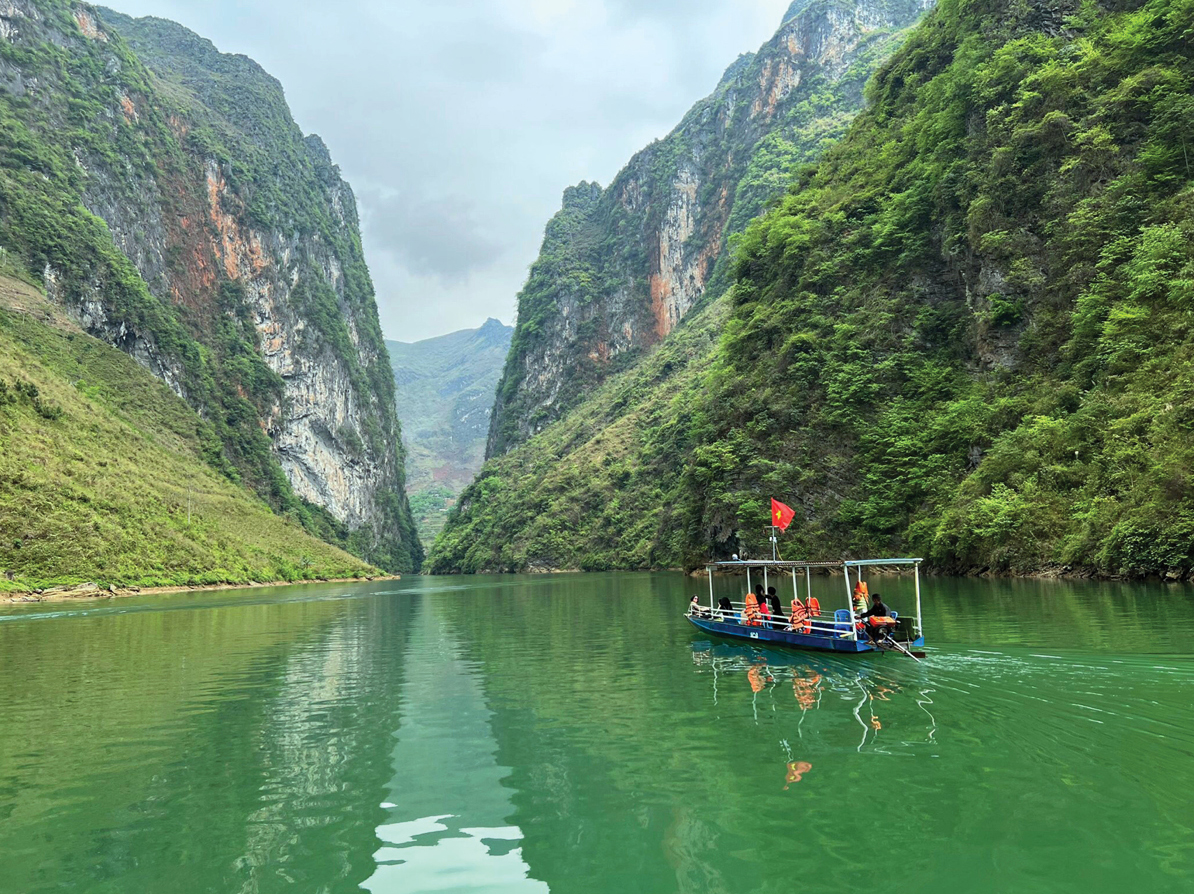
(447, 826)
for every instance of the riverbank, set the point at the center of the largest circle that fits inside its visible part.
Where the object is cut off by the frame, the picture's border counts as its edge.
(94, 591)
(1047, 572)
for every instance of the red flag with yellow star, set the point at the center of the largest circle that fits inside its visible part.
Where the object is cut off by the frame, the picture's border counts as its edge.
(781, 515)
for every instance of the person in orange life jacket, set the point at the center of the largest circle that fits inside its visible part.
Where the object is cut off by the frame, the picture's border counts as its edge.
(860, 599)
(750, 614)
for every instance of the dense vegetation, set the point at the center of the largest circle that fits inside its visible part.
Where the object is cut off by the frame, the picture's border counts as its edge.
(104, 474)
(967, 332)
(967, 335)
(85, 124)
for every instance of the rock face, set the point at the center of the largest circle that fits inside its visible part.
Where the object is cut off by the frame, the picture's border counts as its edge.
(213, 242)
(621, 267)
(445, 388)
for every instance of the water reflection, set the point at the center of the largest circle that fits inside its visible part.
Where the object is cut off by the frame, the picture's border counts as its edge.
(847, 691)
(572, 732)
(448, 803)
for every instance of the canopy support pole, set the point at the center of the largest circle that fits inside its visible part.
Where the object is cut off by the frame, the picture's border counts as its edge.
(710, 570)
(919, 624)
(748, 587)
(850, 604)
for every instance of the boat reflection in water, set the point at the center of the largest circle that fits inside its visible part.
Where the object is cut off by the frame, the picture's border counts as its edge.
(822, 703)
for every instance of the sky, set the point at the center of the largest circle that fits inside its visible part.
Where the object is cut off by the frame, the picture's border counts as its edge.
(459, 123)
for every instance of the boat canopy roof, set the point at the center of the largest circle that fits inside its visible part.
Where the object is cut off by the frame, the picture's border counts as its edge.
(841, 563)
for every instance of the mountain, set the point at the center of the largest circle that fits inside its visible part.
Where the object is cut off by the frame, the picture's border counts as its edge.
(163, 196)
(966, 334)
(445, 388)
(620, 267)
(621, 313)
(105, 474)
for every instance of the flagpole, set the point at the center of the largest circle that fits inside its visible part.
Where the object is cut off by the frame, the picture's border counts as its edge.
(774, 547)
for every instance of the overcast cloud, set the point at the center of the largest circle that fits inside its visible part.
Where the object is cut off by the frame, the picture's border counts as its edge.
(460, 122)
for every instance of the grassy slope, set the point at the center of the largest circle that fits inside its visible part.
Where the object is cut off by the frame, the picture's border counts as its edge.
(101, 493)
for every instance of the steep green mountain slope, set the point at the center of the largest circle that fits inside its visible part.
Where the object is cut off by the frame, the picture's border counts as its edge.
(601, 488)
(445, 387)
(621, 267)
(104, 473)
(967, 333)
(165, 198)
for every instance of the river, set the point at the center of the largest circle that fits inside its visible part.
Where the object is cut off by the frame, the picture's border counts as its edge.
(572, 733)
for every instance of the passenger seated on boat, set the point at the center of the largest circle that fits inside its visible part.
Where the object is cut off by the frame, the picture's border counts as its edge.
(750, 614)
(695, 608)
(878, 619)
(726, 609)
(777, 610)
(799, 622)
(764, 611)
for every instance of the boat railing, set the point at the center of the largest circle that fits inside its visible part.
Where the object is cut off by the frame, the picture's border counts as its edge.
(823, 623)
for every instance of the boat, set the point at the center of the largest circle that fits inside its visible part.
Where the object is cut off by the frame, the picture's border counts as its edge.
(835, 631)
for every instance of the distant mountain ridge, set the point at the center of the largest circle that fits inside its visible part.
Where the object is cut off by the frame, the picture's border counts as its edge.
(445, 391)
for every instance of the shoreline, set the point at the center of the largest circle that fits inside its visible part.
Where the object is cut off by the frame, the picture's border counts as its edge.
(93, 592)
(1055, 573)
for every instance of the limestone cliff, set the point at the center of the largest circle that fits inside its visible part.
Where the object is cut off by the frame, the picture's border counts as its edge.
(621, 267)
(164, 195)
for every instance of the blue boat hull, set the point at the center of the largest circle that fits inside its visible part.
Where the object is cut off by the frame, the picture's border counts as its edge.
(784, 638)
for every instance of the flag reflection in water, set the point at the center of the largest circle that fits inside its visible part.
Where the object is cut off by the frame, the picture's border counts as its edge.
(820, 705)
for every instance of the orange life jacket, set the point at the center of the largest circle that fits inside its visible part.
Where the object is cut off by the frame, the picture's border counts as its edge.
(860, 598)
(800, 621)
(750, 615)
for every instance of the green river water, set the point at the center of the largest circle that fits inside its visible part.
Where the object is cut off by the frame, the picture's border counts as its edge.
(575, 734)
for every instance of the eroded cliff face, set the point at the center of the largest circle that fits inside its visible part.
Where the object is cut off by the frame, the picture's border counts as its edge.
(622, 267)
(228, 262)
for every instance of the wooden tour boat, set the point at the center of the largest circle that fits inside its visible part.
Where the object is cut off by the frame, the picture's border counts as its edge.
(838, 630)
